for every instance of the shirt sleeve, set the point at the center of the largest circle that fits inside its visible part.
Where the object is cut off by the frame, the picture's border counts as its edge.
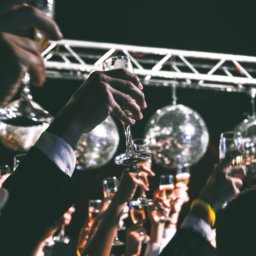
(152, 249)
(168, 235)
(198, 225)
(58, 151)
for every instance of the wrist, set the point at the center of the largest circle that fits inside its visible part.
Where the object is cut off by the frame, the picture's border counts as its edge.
(67, 126)
(157, 232)
(203, 210)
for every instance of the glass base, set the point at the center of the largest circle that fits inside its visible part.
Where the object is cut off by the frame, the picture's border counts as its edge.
(144, 201)
(118, 243)
(130, 160)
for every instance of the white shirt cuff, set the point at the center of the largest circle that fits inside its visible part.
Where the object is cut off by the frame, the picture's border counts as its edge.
(168, 235)
(152, 249)
(198, 225)
(58, 151)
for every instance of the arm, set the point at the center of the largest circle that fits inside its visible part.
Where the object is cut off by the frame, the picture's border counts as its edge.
(195, 231)
(107, 229)
(19, 54)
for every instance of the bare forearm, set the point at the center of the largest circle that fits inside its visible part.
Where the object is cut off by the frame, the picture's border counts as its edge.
(156, 233)
(106, 232)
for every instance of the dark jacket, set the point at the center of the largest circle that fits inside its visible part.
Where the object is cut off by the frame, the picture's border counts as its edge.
(39, 194)
(187, 242)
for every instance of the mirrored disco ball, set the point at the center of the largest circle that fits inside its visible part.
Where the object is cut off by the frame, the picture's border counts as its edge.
(247, 127)
(178, 136)
(96, 148)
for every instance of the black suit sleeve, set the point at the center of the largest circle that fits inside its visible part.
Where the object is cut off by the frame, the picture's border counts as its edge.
(187, 242)
(39, 194)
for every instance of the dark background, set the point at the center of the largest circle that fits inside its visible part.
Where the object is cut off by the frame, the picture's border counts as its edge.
(205, 25)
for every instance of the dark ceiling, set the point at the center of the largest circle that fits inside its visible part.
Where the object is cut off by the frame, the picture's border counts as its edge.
(207, 25)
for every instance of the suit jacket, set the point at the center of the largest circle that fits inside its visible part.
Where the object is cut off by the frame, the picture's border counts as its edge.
(187, 242)
(39, 194)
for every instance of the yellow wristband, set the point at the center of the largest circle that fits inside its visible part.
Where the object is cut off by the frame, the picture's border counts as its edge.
(207, 208)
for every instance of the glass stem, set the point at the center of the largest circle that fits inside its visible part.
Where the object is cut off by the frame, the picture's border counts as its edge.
(129, 140)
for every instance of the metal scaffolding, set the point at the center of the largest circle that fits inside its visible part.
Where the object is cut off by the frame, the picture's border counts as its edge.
(72, 59)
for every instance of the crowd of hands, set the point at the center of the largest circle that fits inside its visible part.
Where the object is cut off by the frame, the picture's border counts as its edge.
(221, 187)
(103, 93)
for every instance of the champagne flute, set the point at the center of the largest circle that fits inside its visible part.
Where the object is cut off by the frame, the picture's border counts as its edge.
(182, 180)
(131, 156)
(143, 146)
(137, 212)
(166, 186)
(110, 187)
(138, 216)
(94, 207)
(231, 140)
(17, 159)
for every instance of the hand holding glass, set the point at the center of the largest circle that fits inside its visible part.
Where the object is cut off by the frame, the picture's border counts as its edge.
(131, 156)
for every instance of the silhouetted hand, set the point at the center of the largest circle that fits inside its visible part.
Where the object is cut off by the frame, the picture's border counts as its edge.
(17, 53)
(223, 185)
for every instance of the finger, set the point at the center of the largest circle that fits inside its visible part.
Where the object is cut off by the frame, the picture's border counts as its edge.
(143, 176)
(141, 183)
(7, 5)
(163, 204)
(128, 103)
(126, 75)
(236, 184)
(228, 159)
(35, 67)
(119, 114)
(146, 170)
(128, 87)
(28, 17)
(10, 81)
(238, 172)
(26, 44)
(157, 194)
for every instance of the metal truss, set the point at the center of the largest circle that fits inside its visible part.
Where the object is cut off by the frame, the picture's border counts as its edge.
(72, 59)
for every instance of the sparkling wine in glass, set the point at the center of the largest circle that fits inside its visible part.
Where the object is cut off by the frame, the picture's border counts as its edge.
(166, 186)
(143, 146)
(110, 187)
(231, 140)
(182, 180)
(139, 216)
(137, 212)
(93, 210)
(130, 156)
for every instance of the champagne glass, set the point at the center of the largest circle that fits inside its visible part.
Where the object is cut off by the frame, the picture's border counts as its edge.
(138, 216)
(131, 156)
(23, 120)
(182, 180)
(110, 187)
(166, 186)
(143, 146)
(231, 140)
(17, 160)
(94, 207)
(61, 236)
